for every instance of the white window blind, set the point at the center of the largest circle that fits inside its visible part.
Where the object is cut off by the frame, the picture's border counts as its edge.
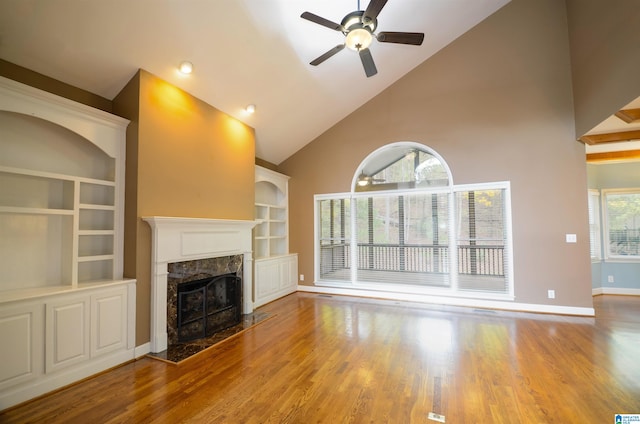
(334, 237)
(595, 246)
(481, 240)
(403, 238)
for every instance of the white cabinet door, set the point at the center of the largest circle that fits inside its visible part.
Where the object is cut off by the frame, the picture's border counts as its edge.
(109, 321)
(266, 279)
(20, 332)
(274, 278)
(67, 333)
(289, 274)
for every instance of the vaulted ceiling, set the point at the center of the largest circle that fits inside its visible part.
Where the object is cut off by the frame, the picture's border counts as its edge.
(243, 52)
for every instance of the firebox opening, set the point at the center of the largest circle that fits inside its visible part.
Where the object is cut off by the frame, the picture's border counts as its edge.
(207, 306)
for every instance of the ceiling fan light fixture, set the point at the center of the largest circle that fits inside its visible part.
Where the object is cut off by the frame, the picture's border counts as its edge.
(363, 180)
(359, 39)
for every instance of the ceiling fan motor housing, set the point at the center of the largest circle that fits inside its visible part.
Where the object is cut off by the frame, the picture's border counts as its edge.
(356, 20)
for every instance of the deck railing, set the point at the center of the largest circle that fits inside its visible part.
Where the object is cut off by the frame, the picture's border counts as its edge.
(472, 259)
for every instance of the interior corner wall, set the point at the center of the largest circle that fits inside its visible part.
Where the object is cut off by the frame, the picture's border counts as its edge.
(497, 105)
(605, 58)
(189, 160)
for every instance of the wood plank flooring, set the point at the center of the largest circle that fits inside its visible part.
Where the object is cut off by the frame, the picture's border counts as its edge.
(324, 359)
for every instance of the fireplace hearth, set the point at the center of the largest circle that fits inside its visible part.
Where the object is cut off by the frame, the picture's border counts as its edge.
(207, 306)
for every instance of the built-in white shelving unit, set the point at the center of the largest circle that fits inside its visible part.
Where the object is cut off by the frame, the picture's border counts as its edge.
(275, 268)
(66, 312)
(42, 213)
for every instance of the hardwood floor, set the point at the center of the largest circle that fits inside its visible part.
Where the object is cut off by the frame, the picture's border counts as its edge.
(339, 359)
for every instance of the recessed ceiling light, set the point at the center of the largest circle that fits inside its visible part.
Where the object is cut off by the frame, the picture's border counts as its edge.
(250, 109)
(186, 68)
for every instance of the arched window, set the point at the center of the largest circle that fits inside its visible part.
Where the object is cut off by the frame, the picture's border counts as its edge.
(406, 227)
(404, 165)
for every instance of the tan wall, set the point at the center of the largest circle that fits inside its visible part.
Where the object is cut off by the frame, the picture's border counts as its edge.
(34, 79)
(497, 105)
(605, 58)
(189, 160)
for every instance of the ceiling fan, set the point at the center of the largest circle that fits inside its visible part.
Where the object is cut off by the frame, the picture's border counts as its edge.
(359, 30)
(365, 180)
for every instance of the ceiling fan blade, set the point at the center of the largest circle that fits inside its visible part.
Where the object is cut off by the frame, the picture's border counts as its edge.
(374, 8)
(321, 21)
(327, 55)
(367, 62)
(413, 38)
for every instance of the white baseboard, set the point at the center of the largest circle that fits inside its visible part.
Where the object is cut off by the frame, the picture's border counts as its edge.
(142, 350)
(45, 383)
(616, 290)
(453, 301)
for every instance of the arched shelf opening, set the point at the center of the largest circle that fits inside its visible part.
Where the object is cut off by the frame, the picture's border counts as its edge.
(38, 144)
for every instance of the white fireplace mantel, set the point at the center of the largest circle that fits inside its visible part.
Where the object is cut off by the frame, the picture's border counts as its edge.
(186, 239)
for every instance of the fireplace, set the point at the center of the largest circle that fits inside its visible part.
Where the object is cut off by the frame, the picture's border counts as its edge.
(207, 306)
(186, 241)
(204, 296)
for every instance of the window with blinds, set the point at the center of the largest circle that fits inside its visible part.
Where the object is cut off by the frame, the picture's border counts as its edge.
(456, 239)
(622, 213)
(481, 240)
(403, 238)
(595, 246)
(334, 235)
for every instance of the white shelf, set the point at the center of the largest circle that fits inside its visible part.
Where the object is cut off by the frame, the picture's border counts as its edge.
(95, 258)
(97, 207)
(96, 232)
(54, 175)
(35, 211)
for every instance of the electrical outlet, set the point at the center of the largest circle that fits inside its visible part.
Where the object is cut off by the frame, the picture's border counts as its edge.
(436, 417)
(571, 238)
(301, 277)
(551, 294)
(610, 279)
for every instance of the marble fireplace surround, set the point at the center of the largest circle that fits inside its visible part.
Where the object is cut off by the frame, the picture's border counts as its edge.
(187, 239)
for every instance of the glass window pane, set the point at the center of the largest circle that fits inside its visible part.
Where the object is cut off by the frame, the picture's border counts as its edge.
(481, 235)
(403, 239)
(335, 232)
(623, 220)
(402, 167)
